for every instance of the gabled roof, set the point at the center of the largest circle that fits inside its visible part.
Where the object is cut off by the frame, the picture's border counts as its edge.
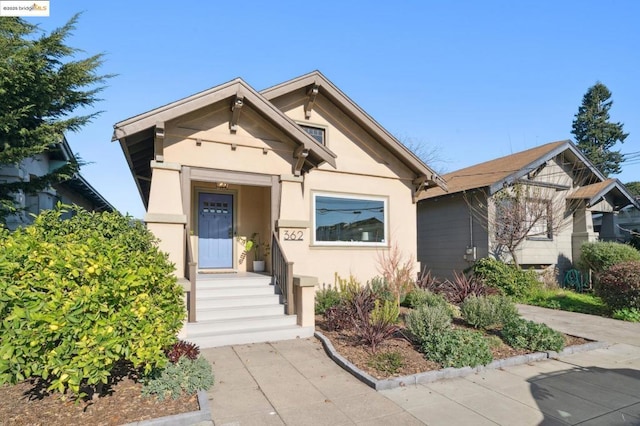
(494, 174)
(597, 191)
(136, 134)
(357, 114)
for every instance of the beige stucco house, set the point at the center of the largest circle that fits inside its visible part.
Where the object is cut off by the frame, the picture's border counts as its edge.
(299, 163)
(457, 227)
(76, 191)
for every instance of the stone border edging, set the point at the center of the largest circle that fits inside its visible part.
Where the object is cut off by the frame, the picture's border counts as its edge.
(182, 419)
(445, 373)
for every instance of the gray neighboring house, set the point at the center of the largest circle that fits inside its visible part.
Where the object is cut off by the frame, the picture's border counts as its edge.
(74, 191)
(452, 234)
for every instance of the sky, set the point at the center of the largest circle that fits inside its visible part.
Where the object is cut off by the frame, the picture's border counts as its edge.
(468, 81)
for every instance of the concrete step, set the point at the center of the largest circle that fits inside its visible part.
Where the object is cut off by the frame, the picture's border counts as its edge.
(239, 312)
(231, 291)
(251, 281)
(203, 302)
(256, 335)
(239, 324)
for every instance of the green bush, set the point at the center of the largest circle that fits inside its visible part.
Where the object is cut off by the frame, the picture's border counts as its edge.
(619, 285)
(488, 311)
(627, 314)
(510, 280)
(326, 298)
(457, 348)
(78, 295)
(426, 320)
(185, 377)
(377, 325)
(601, 255)
(523, 334)
(387, 362)
(382, 290)
(419, 297)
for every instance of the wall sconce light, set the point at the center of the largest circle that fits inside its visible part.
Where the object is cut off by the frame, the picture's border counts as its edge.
(222, 185)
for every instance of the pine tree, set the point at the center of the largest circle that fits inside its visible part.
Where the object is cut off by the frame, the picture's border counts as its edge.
(41, 85)
(594, 134)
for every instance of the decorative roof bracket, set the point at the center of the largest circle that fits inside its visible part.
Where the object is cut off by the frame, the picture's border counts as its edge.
(311, 99)
(158, 142)
(236, 105)
(300, 154)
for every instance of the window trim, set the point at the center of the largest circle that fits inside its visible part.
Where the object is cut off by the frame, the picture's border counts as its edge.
(324, 129)
(548, 236)
(349, 196)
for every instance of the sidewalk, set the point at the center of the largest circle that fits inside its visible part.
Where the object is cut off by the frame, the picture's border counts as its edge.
(295, 383)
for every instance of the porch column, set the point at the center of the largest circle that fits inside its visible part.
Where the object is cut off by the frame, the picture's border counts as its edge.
(608, 228)
(165, 217)
(293, 223)
(582, 232)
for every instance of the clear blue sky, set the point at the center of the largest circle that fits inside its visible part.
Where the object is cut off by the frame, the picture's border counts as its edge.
(473, 79)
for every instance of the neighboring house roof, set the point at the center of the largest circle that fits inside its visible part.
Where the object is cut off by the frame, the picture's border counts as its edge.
(595, 192)
(495, 174)
(136, 134)
(78, 183)
(317, 80)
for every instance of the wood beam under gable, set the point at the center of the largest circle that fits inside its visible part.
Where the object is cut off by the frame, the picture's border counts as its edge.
(300, 154)
(158, 142)
(236, 105)
(312, 92)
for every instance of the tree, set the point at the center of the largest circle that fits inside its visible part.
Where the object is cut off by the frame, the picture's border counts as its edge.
(634, 188)
(41, 85)
(594, 134)
(516, 213)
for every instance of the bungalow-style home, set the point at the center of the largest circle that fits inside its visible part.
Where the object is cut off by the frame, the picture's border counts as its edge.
(299, 169)
(73, 191)
(559, 190)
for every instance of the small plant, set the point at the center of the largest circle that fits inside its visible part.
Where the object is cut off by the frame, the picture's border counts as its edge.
(185, 377)
(339, 317)
(457, 348)
(378, 325)
(463, 286)
(397, 271)
(619, 286)
(347, 287)
(426, 281)
(427, 320)
(381, 289)
(182, 349)
(350, 310)
(627, 314)
(510, 280)
(494, 341)
(419, 297)
(387, 362)
(522, 334)
(254, 244)
(488, 311)
(326, 298)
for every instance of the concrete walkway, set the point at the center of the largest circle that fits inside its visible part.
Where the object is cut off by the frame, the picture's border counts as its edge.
(295, 383)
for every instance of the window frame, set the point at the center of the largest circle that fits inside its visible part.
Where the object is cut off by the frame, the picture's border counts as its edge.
(306, 126)
(547, 218)
(350, 196)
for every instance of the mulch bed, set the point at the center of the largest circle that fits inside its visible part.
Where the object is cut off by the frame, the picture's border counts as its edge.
(347, 344)
(28, 403)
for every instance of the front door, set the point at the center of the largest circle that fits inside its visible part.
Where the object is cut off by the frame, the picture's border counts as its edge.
(215, 230)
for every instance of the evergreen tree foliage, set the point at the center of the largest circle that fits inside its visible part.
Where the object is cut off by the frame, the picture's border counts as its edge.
(633, 187)
(594, 134)
(42, 82)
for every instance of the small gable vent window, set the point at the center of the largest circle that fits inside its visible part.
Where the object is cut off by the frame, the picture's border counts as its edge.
(315, 132)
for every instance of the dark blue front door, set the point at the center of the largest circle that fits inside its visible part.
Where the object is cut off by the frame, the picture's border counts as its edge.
(215, 231)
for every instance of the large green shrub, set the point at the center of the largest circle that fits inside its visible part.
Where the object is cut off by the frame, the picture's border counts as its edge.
(78, 295)
(457, 348)
(619, 285)
(419, 297)
(523, 334)
(509, 279)
(488, 311)
(600, 256)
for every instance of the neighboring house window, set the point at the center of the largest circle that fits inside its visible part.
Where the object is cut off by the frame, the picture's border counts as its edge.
(349, 220)
(538, 219)
(315, 132)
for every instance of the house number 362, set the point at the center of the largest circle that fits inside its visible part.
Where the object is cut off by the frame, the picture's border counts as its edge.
(293, 235)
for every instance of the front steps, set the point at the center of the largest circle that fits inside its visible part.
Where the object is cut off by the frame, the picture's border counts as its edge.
(234, 309)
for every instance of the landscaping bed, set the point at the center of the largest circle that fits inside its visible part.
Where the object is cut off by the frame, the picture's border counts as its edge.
(347, 344)
(27, 404)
